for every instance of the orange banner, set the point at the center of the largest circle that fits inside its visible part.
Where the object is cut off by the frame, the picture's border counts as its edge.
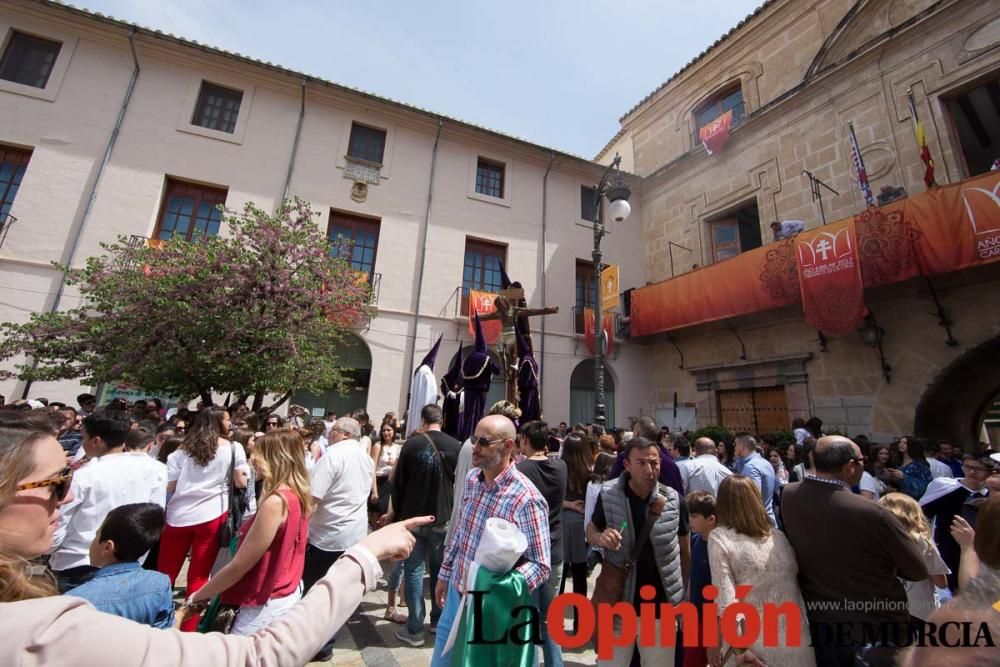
(715, 135)
(483, 303)
(946, 229)
(833, 297)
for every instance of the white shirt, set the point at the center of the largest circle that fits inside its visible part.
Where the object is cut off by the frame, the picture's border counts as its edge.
(800, 435)
(684, 467)
(705, 473)
(341, 484)
(872, 485)
(939, 468)
(201, 493)
(99, 487)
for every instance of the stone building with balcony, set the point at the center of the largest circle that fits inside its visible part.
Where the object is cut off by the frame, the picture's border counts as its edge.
(112, 129)
(794, 75)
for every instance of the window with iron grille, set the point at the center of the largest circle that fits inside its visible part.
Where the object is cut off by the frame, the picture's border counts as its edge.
(585, 291)
(13, 163)
(731, 99)
(481, 269)
(355, 239)
(489, 178)
(367, 143)
(218, 108)
(28, 59)
(189, 211)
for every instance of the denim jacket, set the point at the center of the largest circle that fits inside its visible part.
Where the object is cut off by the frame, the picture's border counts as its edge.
(127, 590)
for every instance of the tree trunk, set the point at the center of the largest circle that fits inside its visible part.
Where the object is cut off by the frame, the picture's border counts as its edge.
(274, 406)
(206, 397)
(258, 402)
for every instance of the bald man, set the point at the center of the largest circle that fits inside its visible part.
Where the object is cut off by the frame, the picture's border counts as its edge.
(704, 472)
(850, 552)
(493, 488)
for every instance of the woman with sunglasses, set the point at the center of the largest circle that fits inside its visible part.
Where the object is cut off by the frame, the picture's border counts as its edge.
(64, 630)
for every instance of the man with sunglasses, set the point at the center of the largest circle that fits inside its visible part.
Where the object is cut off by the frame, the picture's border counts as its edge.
(493, 488)
(109, 479)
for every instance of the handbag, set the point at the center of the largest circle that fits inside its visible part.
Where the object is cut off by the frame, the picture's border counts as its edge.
(611, 581)
(230, 528)
(446, 490)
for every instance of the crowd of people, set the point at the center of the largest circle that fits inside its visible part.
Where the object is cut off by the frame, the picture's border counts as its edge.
(281, 526)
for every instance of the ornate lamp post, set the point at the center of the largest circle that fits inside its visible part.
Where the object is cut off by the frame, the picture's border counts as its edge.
(617, 195)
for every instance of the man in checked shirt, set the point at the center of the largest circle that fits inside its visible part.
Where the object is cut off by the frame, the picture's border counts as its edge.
(493, 488)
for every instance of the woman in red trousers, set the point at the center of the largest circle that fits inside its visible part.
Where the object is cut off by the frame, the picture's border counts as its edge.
(197, 486)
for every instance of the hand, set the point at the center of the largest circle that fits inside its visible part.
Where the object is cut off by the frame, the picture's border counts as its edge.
(395, 541)
(196, 601)
(385, 519)
(576, 506)
(373, 497)
(748, 658)
(658, 505)
(898, 474)
(441, 593)
(963, 533)
(609, 539)
(714, 655)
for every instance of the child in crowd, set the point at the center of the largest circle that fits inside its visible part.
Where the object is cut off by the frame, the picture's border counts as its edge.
(121, 587)
(701, 513)
(920, 595)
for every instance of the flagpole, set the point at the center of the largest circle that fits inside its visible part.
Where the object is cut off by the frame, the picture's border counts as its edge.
(859, 167)
(921, 137)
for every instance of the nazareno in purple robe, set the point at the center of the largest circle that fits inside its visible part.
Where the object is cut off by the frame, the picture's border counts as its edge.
(477, 373)
(527, 375)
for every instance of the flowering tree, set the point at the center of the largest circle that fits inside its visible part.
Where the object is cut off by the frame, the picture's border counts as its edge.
(260, 311)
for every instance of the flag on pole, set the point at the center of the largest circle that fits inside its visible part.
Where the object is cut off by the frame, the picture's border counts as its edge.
(859, 166)
(925, 152)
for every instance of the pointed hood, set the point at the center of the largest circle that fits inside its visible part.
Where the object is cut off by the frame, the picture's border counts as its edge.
(480, 337)
(504, 278)
(431, 356)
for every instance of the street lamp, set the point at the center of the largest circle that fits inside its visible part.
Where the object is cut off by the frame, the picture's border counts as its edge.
(617, 195)
(871, 335)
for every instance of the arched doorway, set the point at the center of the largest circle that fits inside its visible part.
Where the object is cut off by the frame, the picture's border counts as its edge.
(581, 394)
(955, 404)
(356, 360)
(498, 388)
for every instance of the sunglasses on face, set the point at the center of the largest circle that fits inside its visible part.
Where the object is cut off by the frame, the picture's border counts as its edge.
(58, 486)
(484, 441)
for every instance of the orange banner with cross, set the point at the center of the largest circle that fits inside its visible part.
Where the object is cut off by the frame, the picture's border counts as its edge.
(946, 229)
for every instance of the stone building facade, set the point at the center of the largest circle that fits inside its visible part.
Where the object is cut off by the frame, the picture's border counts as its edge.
(796, 73)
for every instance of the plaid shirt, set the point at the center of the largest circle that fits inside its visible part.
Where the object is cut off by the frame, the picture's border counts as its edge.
(510, 496)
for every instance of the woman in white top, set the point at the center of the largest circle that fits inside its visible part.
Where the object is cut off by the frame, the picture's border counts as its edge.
(196, 478)
(386, 453)
(921, 597)
(745, 551)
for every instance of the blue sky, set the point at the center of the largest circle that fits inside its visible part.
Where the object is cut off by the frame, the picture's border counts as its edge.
(556, 72)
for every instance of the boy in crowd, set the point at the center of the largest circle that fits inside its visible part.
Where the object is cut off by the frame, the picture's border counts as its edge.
(701, 510)
(121, 587)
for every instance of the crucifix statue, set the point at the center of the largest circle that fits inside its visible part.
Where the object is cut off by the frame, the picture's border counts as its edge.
(511, 308)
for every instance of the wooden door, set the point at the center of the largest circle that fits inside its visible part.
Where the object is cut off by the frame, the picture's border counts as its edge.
(736, 410)
(771, 409)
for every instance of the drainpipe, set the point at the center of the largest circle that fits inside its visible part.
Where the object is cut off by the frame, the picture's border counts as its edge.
(541, 271)
(92, 195)
(295, 145)
(412, 343)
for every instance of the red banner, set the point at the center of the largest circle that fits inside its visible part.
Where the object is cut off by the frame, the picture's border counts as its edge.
(715, 135)
(590, 331)
(946, 229)
(833, 296)
(482, 303)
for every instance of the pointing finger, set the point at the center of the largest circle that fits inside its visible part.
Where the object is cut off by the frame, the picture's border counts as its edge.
(416, 522)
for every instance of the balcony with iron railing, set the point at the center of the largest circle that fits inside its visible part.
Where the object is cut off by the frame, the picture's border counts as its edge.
(739, 116)
(6, 220)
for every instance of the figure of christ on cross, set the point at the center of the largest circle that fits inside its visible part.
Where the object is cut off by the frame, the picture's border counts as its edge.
(511, 307)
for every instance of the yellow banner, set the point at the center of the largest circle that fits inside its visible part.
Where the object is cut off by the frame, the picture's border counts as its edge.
(609, 288)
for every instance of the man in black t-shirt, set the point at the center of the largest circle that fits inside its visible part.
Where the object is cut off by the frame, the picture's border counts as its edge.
(549, 477)
(422, 484)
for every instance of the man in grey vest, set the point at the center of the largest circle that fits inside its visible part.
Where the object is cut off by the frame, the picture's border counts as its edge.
(663, 563)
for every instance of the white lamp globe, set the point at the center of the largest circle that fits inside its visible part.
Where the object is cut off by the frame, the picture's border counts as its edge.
(619, 210)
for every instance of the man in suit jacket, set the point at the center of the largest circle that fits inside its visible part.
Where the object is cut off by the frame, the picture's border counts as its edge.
(850, 552)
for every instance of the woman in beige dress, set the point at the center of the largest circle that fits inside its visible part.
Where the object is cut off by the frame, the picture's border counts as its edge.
(744, 550)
